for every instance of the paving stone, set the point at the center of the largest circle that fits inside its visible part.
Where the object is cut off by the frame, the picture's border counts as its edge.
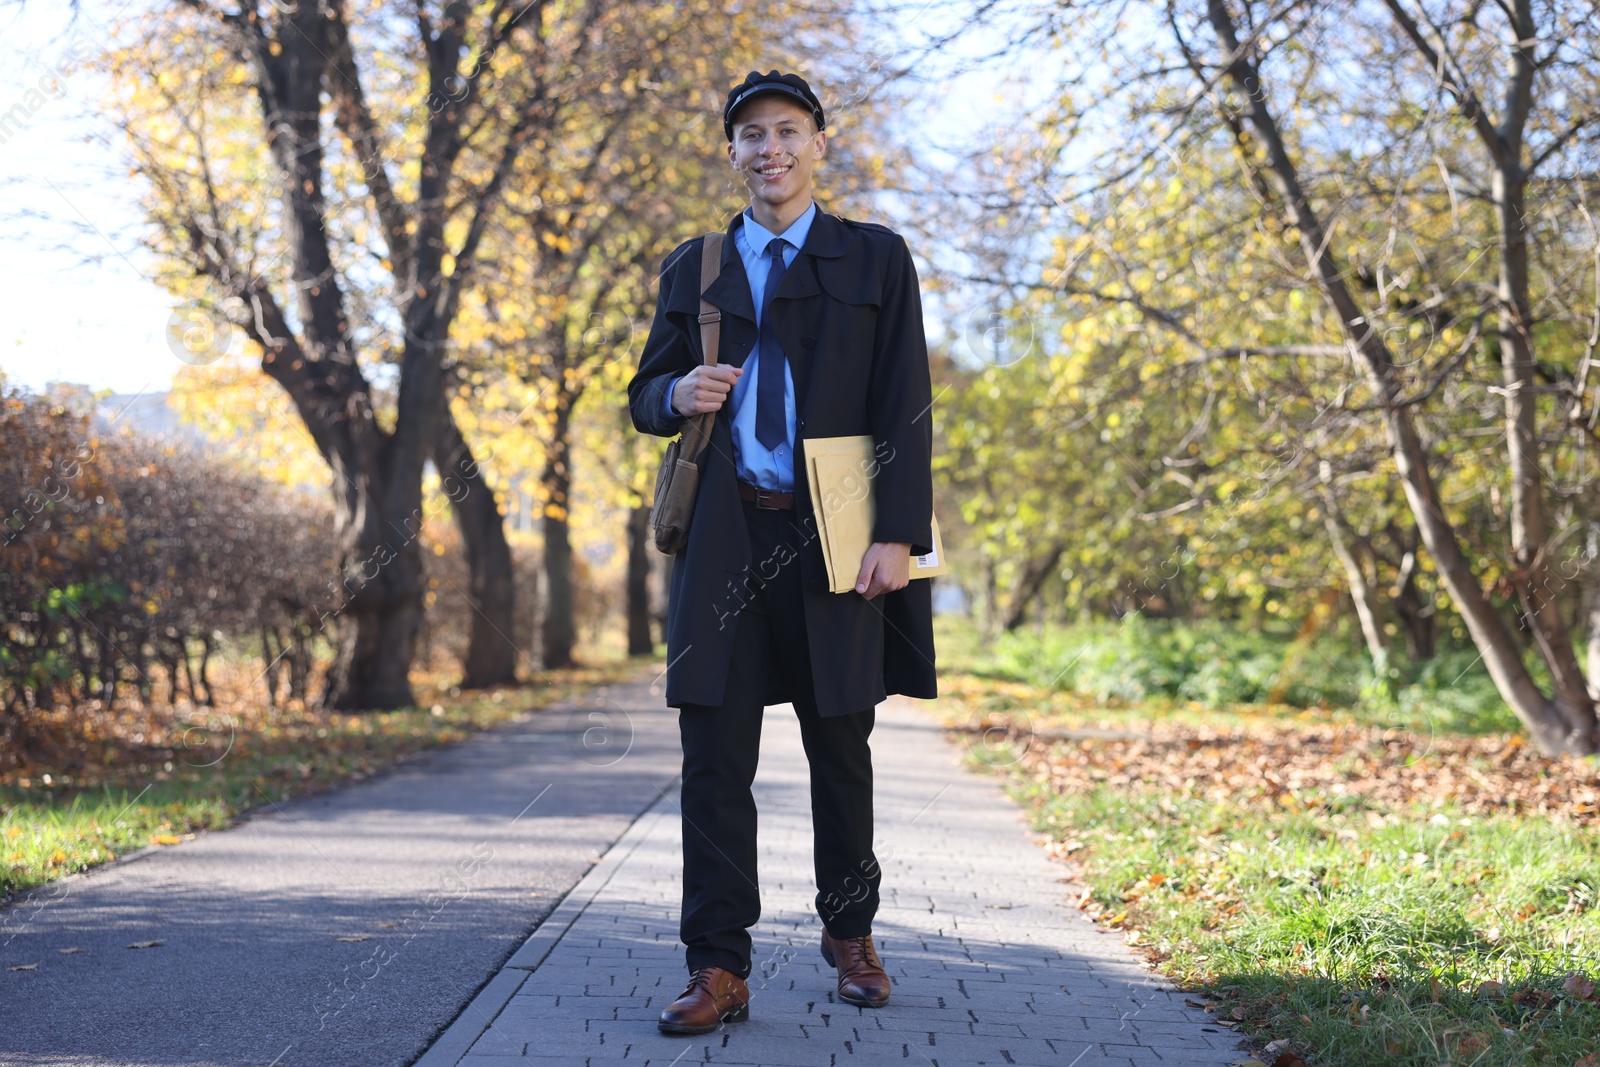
(992, 963)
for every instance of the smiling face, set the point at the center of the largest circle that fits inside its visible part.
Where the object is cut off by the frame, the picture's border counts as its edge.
(775, 147)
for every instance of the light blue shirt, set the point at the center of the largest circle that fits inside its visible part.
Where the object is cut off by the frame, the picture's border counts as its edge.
(754, 462)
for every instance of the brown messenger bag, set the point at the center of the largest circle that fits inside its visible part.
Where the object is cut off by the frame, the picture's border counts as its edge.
(679, 477)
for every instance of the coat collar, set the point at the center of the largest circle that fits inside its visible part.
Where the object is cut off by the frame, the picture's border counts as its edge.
(731, 290)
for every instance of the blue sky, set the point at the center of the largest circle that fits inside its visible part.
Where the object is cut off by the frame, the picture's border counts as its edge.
(102, 323)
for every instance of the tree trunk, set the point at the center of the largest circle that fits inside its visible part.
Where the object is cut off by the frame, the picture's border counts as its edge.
(272, 653)
(1035, 573)
(640, 642)
(1589, 578)
(1360, 589)
(1529, 526)
(491, 657)
(1561, 724)
(1417, 617)
(661, 579)
(376, 643)
(377, 605)
(558, 634)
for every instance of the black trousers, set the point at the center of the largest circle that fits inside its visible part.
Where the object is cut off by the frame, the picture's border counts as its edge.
(721, 897)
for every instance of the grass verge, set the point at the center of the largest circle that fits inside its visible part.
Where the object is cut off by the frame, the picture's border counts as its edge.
(1341, 893)
(116, 782)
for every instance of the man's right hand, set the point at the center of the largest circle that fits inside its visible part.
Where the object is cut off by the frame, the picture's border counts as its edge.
(704, 389)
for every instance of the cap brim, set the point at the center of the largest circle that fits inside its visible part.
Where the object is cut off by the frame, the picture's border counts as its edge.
(768, 90)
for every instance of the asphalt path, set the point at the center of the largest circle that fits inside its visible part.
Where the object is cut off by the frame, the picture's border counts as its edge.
(343, 929)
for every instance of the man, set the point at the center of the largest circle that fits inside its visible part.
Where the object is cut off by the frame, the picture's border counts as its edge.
(821, 337)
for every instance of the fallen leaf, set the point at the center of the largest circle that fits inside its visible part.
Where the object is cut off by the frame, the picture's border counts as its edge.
(1489, 989)
(164, 839)
(1578, 986)
(1117, 919)
(1288, 1059)
(69, 951)
(1591, 1060)
(147, 944)
(24, 967)
(1195, 1003)
(1274, 1047)
(1239, 1012)
(354, 937)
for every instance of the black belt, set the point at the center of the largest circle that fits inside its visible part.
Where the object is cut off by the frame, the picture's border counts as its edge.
(770, 499)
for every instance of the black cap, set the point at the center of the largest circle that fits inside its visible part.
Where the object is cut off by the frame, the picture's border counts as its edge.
(757, 84)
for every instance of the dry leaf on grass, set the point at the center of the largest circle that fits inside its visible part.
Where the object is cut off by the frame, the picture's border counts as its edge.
(1578, 986)
(1288, 1059)
(1479, 775)
(165, 839)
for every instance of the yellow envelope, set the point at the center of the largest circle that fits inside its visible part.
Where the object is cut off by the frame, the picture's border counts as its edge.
(841, 472)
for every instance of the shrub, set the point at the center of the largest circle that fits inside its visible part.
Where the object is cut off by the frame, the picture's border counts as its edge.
(122, 554)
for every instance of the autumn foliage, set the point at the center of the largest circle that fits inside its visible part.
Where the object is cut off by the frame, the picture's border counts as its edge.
(128, 562)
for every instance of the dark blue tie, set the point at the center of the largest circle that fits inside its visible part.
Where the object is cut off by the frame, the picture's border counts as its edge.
(772, 428)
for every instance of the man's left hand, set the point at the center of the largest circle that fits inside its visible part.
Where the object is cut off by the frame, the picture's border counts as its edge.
(885, 568)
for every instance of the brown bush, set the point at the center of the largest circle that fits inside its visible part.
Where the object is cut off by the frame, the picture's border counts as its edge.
(122, 554)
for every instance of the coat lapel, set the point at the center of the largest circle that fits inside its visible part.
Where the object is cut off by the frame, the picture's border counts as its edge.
(731, 293)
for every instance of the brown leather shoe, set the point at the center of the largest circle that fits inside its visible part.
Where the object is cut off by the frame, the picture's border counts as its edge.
(714, 996)
(862, 980)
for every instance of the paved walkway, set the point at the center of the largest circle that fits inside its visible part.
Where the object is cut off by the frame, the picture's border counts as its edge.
(342, 929)
(991, 964)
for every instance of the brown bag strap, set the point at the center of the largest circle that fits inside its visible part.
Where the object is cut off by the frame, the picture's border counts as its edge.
(698, 433)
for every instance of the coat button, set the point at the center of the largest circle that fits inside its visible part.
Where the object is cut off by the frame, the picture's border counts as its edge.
(809, 342)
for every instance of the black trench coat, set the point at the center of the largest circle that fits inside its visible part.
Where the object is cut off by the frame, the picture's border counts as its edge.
(848, 313)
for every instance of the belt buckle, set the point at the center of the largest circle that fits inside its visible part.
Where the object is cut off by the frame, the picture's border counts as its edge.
(761, 499)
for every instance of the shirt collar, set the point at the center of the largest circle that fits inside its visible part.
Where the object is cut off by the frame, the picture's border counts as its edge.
(759, 236)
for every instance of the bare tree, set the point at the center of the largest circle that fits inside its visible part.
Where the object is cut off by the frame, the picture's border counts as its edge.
(486, 95)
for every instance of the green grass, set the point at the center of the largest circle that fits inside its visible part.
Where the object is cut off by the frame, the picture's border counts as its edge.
(1359, 943)
(228, 764)
(1157, 665)
(1378, 928)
